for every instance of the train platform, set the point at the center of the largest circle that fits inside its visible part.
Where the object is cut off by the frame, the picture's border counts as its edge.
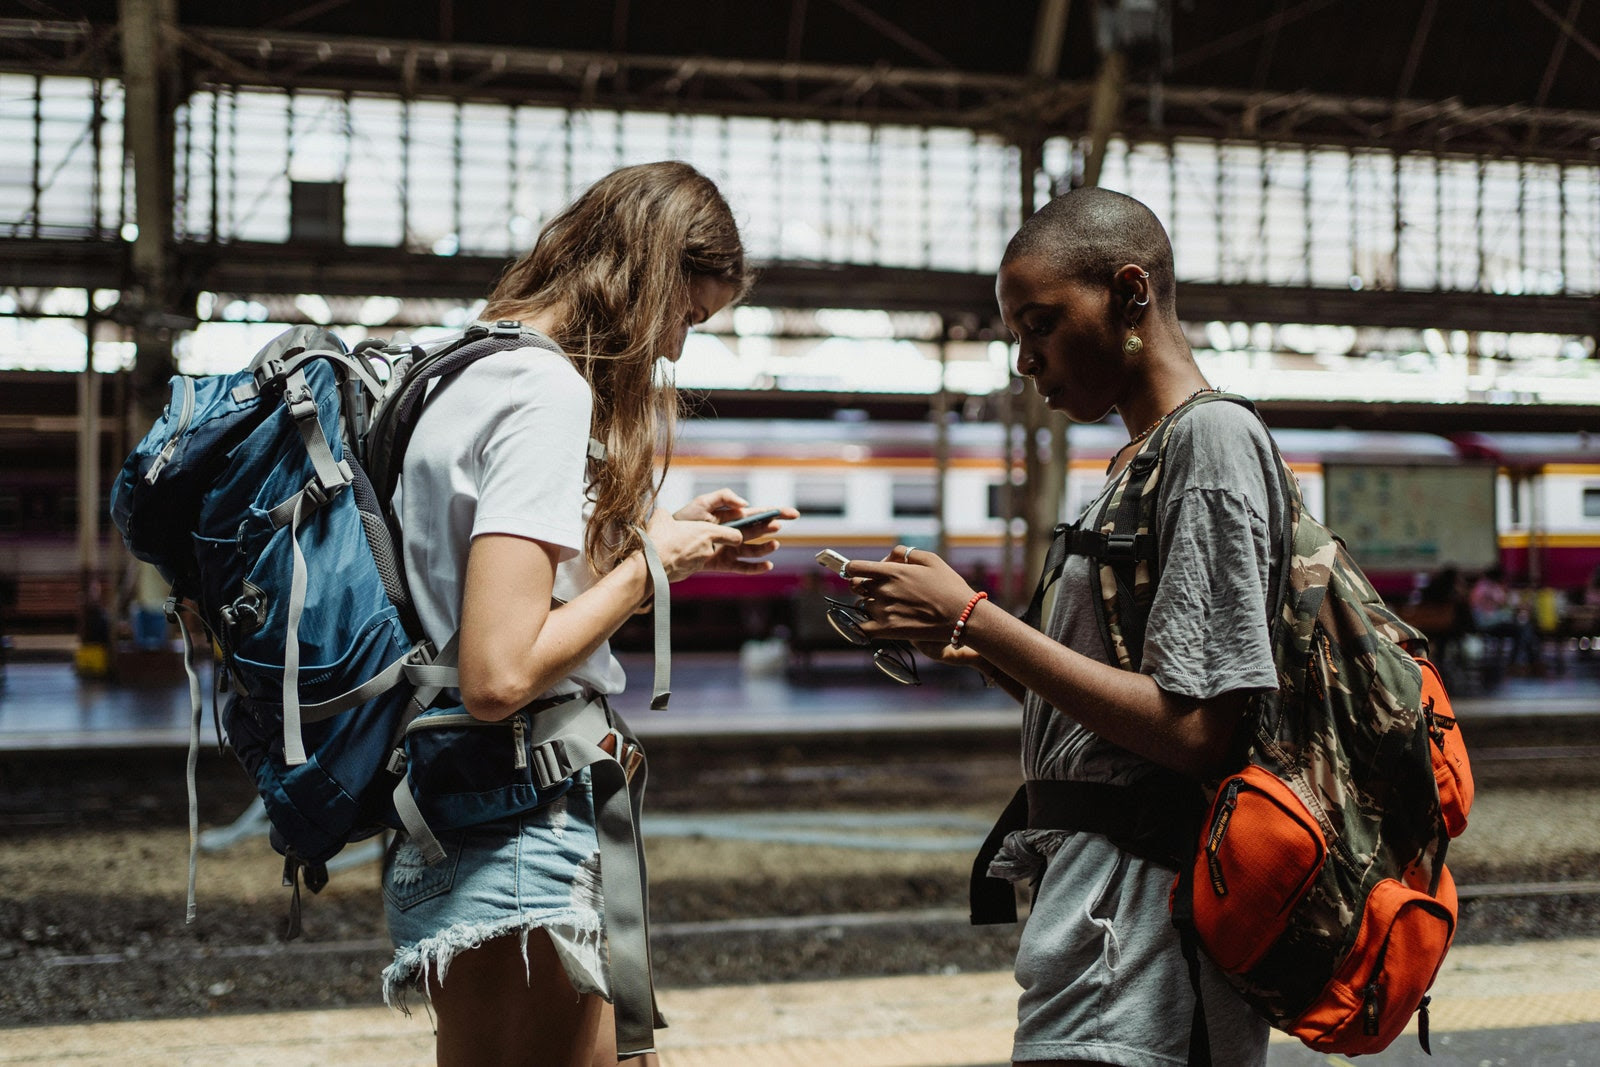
(1533, 1004)
(45, 705)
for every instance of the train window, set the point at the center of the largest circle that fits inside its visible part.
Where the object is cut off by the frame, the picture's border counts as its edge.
(997, 500)
(913, 498)
(739, 484)
(1591, 502)
(820, 497)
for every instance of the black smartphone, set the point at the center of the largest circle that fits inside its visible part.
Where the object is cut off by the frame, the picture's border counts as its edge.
(755, 518)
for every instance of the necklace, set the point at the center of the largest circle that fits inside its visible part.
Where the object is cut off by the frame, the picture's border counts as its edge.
(1142, 434)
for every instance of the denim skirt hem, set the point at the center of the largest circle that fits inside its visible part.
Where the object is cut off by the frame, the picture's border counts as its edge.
(539, 870)
(579, 942)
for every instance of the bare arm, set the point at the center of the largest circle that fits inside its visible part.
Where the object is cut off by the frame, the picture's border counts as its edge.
(1124, 707)
(514, 646)
(921, 600)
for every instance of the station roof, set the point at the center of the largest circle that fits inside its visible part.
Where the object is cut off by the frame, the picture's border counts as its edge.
(1516, 77)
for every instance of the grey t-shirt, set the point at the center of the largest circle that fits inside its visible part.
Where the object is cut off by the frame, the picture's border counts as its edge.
(1221, 509)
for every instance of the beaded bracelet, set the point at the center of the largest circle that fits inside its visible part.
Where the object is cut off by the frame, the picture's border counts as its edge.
(961, 623)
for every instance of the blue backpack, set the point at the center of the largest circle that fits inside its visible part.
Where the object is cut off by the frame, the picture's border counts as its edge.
(263, 497)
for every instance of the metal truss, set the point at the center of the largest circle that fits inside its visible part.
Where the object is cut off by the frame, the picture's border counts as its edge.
(1013, 106)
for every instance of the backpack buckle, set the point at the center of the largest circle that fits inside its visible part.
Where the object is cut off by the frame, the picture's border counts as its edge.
(550, 766)
(506, 328)
(1121, 546)
(271, 370)
(301, 404)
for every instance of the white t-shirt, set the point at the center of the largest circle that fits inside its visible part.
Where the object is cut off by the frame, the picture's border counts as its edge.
(500, 448)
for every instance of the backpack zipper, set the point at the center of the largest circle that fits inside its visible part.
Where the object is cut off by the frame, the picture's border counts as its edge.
(1219, 830)
(185, 413)
(1369, 1008)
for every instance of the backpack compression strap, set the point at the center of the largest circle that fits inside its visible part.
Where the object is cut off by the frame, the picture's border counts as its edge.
(331, 476)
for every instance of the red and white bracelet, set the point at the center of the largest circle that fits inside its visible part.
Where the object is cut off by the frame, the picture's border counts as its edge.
(961, 623)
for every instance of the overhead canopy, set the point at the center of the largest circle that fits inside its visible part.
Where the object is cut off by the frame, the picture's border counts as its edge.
(1512, 77)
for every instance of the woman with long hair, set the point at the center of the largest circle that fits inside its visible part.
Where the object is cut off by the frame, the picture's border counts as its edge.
(531, 541)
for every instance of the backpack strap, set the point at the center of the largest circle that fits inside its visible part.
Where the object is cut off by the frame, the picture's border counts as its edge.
(175, 610)
(1070, 539)
(396, 418)
(1128, 557)
(332, 475)
(1155, 818)
(566, 734)
(661, 606)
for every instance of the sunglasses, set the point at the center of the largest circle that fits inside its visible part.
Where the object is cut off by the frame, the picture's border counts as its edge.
(894, 658)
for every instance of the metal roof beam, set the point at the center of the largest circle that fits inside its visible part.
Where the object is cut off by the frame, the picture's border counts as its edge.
(987, 103)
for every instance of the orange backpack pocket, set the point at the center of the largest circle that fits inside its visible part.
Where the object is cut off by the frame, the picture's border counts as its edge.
(1451, 769)
(1378, 987)
(1261, 852)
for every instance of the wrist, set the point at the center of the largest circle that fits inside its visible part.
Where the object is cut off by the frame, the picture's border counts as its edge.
(644, 587)
(958, 633)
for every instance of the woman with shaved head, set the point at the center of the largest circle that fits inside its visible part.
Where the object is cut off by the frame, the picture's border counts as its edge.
(1113, 757)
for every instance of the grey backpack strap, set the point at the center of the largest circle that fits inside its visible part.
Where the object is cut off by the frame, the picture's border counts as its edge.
(444, 676)
(174, 610)
(573, 733)
(661, 691)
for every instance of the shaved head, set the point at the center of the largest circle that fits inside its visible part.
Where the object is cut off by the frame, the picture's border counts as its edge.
(1088, 234)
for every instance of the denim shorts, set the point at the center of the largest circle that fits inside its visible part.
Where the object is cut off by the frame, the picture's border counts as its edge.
(536, 871)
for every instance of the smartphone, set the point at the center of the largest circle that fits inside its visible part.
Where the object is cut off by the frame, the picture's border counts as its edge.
(834, 561)
(755, 518)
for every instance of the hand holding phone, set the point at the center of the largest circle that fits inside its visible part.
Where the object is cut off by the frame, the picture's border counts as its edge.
(755, 518)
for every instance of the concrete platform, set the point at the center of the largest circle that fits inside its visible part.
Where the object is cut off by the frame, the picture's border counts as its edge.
(1528, 1004)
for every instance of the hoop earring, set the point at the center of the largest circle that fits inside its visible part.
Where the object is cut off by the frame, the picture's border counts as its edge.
(1133, 346)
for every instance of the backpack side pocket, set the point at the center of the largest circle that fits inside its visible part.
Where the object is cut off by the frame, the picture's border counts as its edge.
(1261, 853)
(1402, 941)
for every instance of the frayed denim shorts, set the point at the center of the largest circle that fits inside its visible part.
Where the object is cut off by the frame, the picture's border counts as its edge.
(536, 871)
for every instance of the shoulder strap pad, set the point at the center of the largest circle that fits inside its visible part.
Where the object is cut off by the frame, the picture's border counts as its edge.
(1125, 540)
(396, 419)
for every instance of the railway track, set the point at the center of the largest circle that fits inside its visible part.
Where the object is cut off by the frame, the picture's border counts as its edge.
(885, 922)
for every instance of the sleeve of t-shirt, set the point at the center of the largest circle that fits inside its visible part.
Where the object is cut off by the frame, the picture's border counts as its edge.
(1207, 633)
(532, 460)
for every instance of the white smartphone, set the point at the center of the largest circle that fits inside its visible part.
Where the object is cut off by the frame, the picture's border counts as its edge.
(834, 561)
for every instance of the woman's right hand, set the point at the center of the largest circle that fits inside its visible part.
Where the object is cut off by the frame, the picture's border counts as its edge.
(689, 546)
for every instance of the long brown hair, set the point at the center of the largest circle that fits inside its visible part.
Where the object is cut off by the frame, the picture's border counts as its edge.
(616, 266)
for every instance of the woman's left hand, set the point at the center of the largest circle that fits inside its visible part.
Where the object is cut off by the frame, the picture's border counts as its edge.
(911, 595)
(724, 505)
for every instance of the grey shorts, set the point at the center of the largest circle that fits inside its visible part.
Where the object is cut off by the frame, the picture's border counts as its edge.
(1103, 977)
(539, 870)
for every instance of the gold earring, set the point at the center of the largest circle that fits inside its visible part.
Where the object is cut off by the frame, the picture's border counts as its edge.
(1133, 346)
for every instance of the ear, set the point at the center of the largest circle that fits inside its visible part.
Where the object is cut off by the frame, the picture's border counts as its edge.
(1131, 288)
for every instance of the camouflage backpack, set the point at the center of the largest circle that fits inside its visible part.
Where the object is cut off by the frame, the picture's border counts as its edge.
(1318, 883)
